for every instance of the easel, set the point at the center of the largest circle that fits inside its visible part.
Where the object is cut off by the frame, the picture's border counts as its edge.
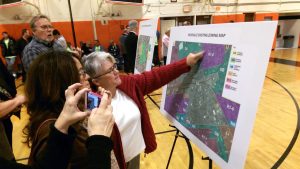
(179, 134)
(191, 154)
(209, 161)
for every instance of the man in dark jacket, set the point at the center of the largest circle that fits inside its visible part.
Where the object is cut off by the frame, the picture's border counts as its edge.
(123, 49)
(8, 44)
(21, 43)
(131, 45)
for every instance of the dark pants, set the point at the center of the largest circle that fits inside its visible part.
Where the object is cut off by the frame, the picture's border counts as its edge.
(8, 129)
(126, 63)
(155, 59)
(131, 63)
(134, 163)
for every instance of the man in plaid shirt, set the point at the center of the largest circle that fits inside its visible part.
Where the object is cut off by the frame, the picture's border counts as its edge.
(43, 40)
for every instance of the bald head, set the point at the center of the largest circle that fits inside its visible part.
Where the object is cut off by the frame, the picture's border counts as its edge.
(133, 24)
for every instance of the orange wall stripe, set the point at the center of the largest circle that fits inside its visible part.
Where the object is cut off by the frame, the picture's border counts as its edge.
(228, 18)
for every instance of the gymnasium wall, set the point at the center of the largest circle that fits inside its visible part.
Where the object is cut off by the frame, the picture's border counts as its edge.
(110, 18)
(241, 18)
(289, 27)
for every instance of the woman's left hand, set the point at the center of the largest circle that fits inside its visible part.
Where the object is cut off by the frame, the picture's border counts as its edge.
(71, 113)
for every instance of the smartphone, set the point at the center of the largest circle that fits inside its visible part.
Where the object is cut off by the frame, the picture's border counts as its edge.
(92, 100)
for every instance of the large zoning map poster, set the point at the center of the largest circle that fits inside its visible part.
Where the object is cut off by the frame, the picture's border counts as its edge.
(145, 45)
(214, 104)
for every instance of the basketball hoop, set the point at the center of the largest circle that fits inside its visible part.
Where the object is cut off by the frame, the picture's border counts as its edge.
(12, 5)
(126, 2)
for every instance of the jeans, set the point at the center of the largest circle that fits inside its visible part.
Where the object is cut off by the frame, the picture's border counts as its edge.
(10, 60)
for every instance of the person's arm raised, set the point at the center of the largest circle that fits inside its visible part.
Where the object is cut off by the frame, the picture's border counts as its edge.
(157, 77)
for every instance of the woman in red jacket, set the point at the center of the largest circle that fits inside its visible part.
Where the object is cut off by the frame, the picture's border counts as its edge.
(133, 132)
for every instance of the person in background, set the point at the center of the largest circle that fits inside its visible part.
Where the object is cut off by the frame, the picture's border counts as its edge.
(133, 133)
(8, 47)
(186, 23)
(60, 38)
(42, 41)
(98, 47)
(123, 49)
(156, 60)
(165, 45)
(114, 50)
(21, 43)
(70, 48)
(85, 49)
(10, 103)
(131, 45)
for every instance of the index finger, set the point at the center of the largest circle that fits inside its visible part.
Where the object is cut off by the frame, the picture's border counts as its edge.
(104, 101)
(80, 93)
(71, 89)
(199, 54)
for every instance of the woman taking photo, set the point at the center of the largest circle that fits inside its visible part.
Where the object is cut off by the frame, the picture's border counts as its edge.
(49, 89)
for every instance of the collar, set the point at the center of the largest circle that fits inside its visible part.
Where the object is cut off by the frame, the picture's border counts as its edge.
(46, 43)
(132, 32)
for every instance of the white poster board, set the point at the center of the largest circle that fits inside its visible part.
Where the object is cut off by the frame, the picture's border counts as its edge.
(145, 45)
(215, 104)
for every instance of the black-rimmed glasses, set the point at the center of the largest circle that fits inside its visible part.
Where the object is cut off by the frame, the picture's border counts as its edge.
(46, 27)
(111, 69)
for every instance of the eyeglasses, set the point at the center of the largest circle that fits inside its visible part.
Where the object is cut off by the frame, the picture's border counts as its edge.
(111, 69)
(46, 27)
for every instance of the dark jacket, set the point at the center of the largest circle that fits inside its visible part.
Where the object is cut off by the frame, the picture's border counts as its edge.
(130, 46)
(20, 45)
(114, 50)
(122, 43)
(58, 151)
(10, 50)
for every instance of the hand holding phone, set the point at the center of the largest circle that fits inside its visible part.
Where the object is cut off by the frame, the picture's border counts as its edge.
(101, 119)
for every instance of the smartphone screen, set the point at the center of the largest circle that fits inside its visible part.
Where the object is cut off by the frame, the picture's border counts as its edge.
(92, 100)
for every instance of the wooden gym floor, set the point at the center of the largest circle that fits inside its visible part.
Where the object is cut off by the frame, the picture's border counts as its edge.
(275, 129)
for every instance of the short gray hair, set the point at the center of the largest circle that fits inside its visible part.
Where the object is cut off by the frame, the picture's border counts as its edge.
(132, 24)
(35, 19)
(93, 63)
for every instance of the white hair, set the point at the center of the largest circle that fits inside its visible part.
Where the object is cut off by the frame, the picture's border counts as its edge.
(93, 63)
